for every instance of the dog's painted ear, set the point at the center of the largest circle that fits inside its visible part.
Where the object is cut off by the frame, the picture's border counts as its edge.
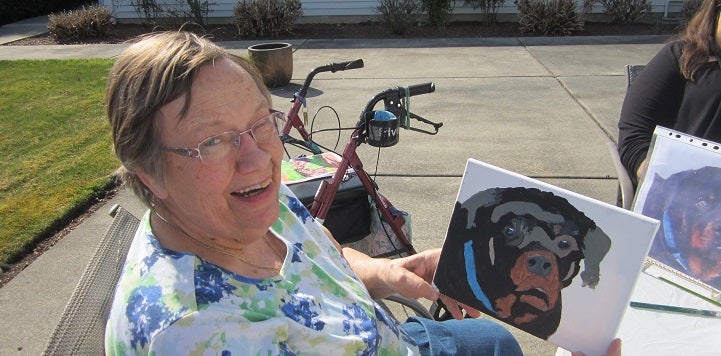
(459, 220)
(482, 199)
(655, 203)
(596, 246)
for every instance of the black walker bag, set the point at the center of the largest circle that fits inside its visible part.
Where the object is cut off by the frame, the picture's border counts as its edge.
(349, 216)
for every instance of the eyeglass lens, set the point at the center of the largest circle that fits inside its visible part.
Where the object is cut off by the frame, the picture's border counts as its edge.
(263, 131)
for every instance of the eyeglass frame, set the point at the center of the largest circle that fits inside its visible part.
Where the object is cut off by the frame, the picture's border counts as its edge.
(194, 152)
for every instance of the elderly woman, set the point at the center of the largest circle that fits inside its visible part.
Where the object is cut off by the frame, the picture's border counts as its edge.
(226, 259)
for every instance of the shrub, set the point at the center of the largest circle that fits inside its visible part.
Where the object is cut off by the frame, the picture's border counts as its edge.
(489, 8)
(688, 10)
(624, 11)
(549, 17)
(88, 22)
(399, 15)
(148, 10)
(181, 13)
(197, 13)
(439, 12)
(14, 10)
(258, 17)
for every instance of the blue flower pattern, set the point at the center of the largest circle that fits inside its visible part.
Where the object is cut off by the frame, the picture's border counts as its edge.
(285, 349)
(297, 251)
(299, 209)
(393, 324)
(158, 252)
(146, 314)
(148, 261)
(302, 309)
(358, 322)
(211, 284)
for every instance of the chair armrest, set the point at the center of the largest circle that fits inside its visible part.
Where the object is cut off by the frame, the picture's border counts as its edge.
(81, 330)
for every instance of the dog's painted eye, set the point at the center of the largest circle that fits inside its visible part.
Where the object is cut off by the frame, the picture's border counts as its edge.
(509, 231)
(564, 244)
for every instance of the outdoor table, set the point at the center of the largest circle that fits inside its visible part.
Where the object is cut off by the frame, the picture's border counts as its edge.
(654, 332)
(651, 332)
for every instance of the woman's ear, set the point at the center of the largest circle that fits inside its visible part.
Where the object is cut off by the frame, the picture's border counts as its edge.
(155, 186)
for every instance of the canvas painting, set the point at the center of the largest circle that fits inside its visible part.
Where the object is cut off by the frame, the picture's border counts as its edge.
(551, 262)
(301, 169)
(682, 189)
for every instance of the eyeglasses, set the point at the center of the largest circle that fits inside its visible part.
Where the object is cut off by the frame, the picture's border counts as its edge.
(217, 147)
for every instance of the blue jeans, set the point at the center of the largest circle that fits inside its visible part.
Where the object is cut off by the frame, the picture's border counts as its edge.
(461, 337)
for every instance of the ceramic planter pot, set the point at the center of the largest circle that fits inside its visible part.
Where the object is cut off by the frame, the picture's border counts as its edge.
(274, 61)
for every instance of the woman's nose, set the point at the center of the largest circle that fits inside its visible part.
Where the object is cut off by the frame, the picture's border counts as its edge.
(249, 153)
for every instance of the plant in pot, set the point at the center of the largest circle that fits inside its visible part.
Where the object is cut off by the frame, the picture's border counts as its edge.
(256, 18)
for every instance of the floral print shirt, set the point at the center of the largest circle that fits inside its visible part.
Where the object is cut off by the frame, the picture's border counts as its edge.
(171, 303)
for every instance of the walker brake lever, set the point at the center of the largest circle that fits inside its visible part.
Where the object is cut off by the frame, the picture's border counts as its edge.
(435, 125)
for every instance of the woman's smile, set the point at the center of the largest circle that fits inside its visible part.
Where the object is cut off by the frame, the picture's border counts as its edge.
(254, 190)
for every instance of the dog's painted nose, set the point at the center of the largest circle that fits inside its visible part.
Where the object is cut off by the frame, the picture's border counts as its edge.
(539, 265)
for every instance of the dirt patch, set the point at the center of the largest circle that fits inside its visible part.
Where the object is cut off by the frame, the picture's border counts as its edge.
(369, 30)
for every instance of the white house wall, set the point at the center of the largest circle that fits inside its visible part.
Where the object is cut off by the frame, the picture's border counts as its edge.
(319, 9)
(123, 9)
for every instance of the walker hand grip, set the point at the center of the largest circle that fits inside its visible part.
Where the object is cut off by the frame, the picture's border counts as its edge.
(420, 89)
(335, 67)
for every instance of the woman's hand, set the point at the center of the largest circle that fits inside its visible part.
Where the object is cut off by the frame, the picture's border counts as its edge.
(614, 349)
(641, 171)
(409, 276)
(424, 265)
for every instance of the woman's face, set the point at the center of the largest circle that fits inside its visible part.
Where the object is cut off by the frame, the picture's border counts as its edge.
(235, 196)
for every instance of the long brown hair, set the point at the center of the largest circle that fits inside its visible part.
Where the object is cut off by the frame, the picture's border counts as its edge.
(699, 39)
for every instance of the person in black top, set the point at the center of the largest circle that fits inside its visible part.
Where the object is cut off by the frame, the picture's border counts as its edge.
(680, 89)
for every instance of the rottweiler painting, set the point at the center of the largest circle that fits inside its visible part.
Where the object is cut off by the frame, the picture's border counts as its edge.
(510, 251)
(688, 205)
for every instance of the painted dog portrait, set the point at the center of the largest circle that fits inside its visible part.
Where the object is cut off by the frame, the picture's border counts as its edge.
(688, 205)
(510, 251)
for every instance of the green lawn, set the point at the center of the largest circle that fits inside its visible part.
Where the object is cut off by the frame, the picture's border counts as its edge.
(56, 147)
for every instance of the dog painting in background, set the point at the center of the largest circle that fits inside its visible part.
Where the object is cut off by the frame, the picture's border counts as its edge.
(688, 204)
(510, 251)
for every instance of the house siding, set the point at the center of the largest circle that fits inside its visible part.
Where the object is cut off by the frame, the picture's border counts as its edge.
(324, 10)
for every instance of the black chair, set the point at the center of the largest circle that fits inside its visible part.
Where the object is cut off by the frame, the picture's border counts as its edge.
(632, 71)
(626, 191)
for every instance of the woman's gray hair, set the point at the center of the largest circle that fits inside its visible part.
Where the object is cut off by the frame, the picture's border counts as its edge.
(149, 74)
